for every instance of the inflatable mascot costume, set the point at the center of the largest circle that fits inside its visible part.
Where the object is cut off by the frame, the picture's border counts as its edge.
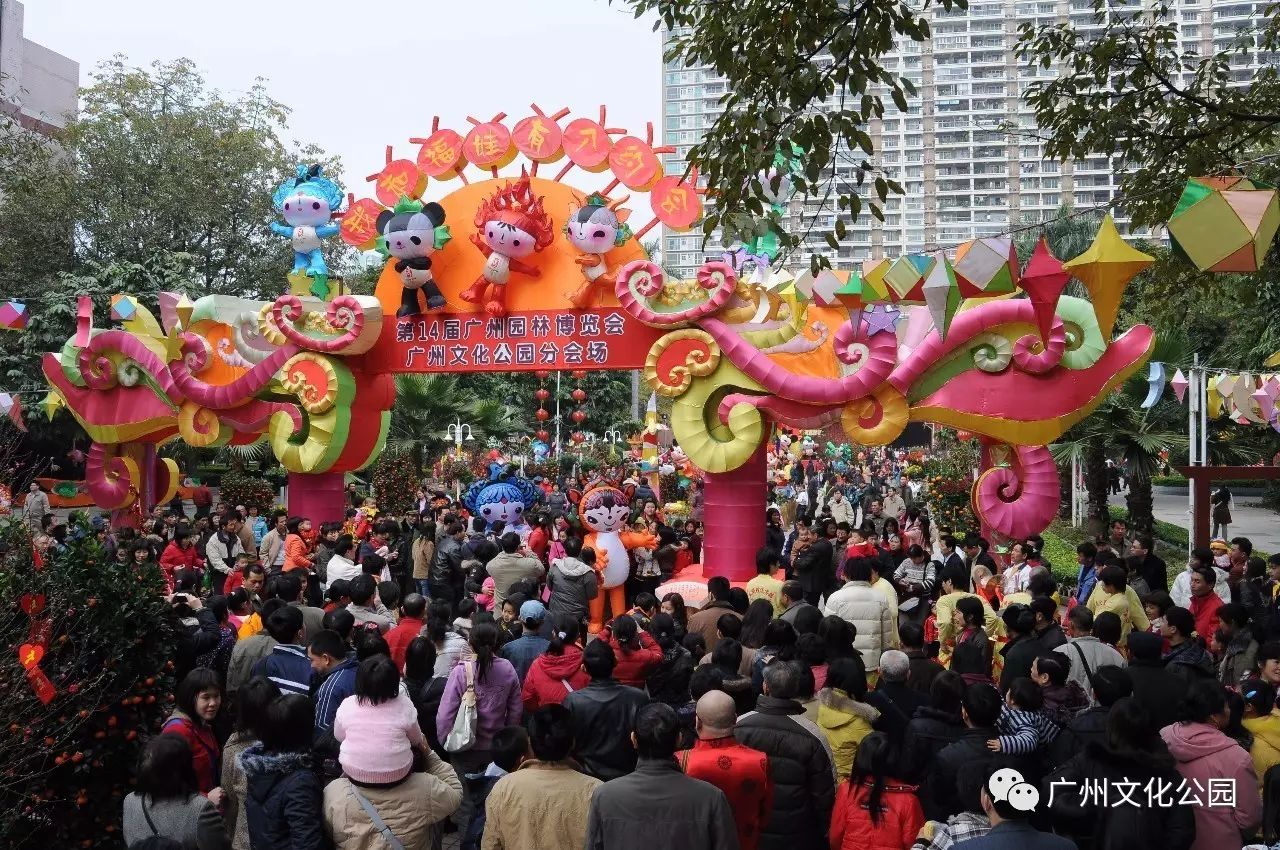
(506, 497)
(603, 511)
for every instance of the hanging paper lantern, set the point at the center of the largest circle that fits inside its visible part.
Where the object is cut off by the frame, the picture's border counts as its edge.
(578, 416)
(1179, 384)
(542, 415)
(579, 395)
(541, 394)
(986, 266)
(542, 374)
(1155, 384)
(1106, 268)
(578, 374)
(542, 435)
(1225, 224)
(1043, 280)
(942, 294)
(578, 436)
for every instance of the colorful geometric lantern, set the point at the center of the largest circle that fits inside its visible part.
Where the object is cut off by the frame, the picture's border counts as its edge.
(13, 316)
(1043, 280)
(942, 294)
(1179, 384)
(989, 266)
(905, 277)
(1225, 224)
(1106, 268)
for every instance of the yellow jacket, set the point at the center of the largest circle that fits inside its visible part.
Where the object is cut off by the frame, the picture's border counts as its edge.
(845, 722)
(1266, 742)
(1126, 606)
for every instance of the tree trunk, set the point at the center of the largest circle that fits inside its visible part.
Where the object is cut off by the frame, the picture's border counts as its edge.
(1064, 491)
(1141, 504)
(1095, 482)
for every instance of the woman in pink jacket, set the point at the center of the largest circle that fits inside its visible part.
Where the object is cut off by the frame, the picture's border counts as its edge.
(1206, 756)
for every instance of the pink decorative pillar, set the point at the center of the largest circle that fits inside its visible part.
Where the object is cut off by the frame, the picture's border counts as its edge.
(319, 498)
(733, 514)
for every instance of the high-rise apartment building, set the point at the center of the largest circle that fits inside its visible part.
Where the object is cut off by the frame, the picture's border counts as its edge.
(966, 174)
(38, 87)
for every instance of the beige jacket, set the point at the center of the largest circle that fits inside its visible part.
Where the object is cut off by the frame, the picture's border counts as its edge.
(542, 804)
(410, 809)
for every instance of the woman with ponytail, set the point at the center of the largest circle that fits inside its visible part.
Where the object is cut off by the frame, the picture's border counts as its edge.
(637, 652)
(557, 672)
(497, 691)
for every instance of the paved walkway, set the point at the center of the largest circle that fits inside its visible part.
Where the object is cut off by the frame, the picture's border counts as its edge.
(1258, 524)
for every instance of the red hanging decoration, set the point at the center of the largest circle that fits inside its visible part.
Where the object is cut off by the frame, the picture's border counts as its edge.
(579, 374)
(579, 395)
(542, 394)
(578, 436)
(543, 435)
(542, 415)
(578, 416)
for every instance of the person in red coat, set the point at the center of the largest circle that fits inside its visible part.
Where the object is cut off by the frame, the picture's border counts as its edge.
(199, 699)
(411, 624)
(180, 554)
(739, 771)
(874, 811)
(1204, 601)
(557, 672)
(637, 652)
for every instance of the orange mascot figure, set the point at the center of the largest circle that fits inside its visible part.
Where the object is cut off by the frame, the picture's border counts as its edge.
(510, 225)
(603, 510)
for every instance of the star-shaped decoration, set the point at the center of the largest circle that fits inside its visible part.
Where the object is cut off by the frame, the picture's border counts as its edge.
(1106, 269)
(881, 318)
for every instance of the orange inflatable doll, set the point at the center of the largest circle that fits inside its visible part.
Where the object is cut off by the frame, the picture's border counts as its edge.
(603, 510)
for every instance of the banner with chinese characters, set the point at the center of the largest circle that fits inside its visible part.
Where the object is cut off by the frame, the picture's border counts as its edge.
(595, 338)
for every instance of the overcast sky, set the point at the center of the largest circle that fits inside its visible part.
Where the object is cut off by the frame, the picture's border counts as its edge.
(361, 75)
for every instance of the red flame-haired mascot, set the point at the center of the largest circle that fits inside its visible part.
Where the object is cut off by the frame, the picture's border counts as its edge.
(603, 510)
(510, 225)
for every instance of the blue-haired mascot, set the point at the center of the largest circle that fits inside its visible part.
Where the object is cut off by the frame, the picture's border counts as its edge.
(308, 203)
(506, 497)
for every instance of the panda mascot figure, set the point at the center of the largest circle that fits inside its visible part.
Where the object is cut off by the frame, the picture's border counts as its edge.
(412, 232)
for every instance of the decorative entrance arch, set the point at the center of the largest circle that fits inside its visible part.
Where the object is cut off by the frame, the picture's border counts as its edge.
(530, 273)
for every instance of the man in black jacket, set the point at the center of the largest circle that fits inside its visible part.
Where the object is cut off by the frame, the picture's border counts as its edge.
(446, 568)
(1153, 569)
(1109, 684)
(602, 712)
(1154, 686)
(811, 564)
(1048, 632)
(799, 763)
(658, 806)
(980, 709)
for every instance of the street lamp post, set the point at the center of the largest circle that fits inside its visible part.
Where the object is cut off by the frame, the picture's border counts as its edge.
(458, 431)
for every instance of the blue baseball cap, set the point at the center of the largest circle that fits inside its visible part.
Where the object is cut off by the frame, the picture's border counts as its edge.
(533, 610)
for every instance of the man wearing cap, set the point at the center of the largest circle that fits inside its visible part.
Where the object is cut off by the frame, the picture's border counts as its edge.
(523, 650)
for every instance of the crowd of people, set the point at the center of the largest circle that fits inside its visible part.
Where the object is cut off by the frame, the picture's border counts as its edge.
(389, 680)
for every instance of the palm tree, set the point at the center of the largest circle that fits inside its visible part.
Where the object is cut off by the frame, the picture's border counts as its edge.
(426, 405)
(1122, 431)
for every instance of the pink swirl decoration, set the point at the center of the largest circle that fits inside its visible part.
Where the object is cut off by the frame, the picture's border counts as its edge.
(971, 323)
(875, 365)
(1021, 499)
(107, 477)
(343, 313)
(99, 374)
(794, 413)
(195, 353)
(848, 347)
(255, 415)
(1026, 358)
(647, 279)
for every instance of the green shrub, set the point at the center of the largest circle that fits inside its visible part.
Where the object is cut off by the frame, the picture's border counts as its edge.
(107, 637)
